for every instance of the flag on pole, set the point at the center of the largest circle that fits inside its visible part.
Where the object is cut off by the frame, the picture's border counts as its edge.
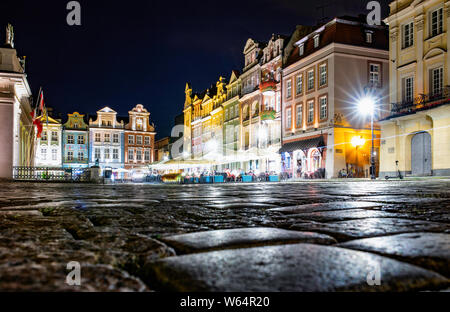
(41, 101)
(37, 123)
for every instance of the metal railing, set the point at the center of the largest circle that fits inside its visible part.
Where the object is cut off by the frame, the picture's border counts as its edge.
(421, 102)
(46, 174)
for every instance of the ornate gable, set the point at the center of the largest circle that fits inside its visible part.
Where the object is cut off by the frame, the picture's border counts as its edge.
(75, 121)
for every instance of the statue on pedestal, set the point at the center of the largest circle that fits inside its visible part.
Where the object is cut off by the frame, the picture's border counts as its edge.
(10, 35)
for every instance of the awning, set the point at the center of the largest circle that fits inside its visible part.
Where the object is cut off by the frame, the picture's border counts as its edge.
(183, 164)
(303, 145)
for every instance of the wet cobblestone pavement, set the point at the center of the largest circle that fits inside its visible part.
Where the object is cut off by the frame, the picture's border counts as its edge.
(316, 236)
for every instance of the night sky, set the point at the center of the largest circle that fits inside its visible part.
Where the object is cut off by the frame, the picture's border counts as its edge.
(143, 52)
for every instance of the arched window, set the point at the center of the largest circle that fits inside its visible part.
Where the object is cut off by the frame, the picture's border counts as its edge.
(315, 160)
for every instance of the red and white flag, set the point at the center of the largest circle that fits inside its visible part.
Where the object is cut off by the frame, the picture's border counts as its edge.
(37, 123)
(41, 101)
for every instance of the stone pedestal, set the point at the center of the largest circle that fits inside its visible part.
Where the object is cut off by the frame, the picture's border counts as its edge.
(95, 176)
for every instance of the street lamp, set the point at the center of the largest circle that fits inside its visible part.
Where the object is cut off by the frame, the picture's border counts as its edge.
(366, 106)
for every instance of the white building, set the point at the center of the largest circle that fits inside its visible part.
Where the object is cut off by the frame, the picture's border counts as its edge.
(106, 143)
(16, 128)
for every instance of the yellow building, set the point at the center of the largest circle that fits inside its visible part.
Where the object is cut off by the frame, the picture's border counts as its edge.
(203, 122)
(416, 131)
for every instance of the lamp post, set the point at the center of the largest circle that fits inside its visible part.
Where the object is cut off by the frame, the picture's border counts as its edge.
(367, 107)
(357, 141)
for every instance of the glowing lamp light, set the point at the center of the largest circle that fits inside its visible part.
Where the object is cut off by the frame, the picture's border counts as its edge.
(269, 93)
(366, 105)
(358, 141)
(262, 135)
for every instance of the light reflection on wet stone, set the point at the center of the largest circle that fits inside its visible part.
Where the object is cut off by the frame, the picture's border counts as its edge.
(123, 226)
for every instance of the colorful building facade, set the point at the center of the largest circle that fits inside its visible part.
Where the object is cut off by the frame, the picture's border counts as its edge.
(106, 143)
(75, 138)
(139, 143)
(327, 73)
(231, 123)
(49, 145)
(415, 133)
(261, 105)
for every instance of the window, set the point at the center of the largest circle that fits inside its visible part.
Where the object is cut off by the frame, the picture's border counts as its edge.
(131, 139)
(106, 153)
(299, 116)
(147, 155)
(408, 35)
(97, 153)
(374, 74)
(288, 89)
(310, 80)
(278, 102)
(70, 139)
(139, 155)
(323, 101)
(54, 154)
(44, 136)
(107, 137)
(139, 139)
(368, 37)
(109, 123)
(408, 89)
(322, 75)
(147, 140)
(97, 137)
(299, 88)
(80, 156)
(288, 118)
(436, 81)
(139, 124)
(81, 139)
(115, 153)
(301, 49)
(310, 111)
(75, 126)
(43, 154)
(69, 155)
(316, 41)
(436, 22)
(130, 154)
(115, 138)
(54, 136)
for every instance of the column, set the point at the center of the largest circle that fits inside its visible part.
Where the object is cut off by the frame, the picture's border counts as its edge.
(393, 65)
(446, 68)
(419, 54)
(6, 137)
(17, 135)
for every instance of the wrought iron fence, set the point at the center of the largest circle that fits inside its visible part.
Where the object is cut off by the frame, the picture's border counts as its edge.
(45, 174)
(421, 102)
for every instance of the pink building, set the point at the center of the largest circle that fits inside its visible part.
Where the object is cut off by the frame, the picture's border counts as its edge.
(327, 72)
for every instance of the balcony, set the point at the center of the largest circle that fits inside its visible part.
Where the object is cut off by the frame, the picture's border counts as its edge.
(268, 87)
(268, 114)
(420, 103)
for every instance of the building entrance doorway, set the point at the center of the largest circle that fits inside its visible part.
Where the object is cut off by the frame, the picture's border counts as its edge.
(421, 154)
